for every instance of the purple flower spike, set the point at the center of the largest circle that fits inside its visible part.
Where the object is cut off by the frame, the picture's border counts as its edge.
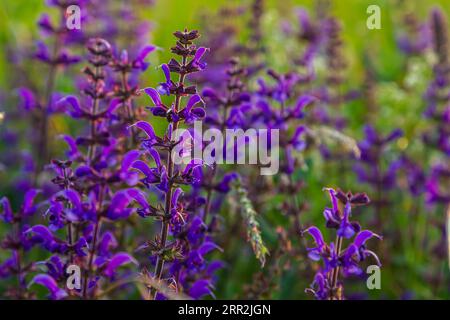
(335, 257)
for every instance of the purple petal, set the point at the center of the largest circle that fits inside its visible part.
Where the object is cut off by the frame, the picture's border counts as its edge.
(74, 198)
(71, 143)
(28, 207)
(210, 93)
(370, 133)
(124, 56)
(155, 156)
(363, 236)
(159, 111)
(154, 95)
(199, 53)
(42, 232)
(200, 288)
(128, 159)
(147, 128)
(118, 260)
(119, 201)
(199, 113)
(175, 197)
(193, 100)
(107, 242)
(73, 101)
(166, 70)
(397, 133)
(145, 52)
(142, 167)
(83, 171)
(114, 104)
(208, 247)
(28, 99)
(50, 283)
(316, 234)
(7, 211)
(302, 102)
(333, 198)
(139, 197)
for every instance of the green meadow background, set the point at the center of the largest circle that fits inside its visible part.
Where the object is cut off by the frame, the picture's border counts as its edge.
(18, 18)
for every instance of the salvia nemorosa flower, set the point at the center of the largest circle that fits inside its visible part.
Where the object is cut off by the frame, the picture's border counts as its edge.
(339, 257)
(90, 194)
(188, 270)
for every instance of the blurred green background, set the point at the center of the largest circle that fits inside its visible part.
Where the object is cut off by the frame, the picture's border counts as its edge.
(18, 18)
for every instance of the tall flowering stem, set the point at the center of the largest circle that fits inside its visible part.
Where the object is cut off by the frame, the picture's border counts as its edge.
(170, 164)
(336, 257)
(168, 176)
(101, 55)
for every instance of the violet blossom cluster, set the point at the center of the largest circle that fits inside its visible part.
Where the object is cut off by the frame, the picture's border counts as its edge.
(337, 257)
(92, 194)
(178, 252)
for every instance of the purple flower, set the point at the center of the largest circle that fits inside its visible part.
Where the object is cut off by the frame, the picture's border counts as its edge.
(335, 257)
(47, 281)
(118, 260)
